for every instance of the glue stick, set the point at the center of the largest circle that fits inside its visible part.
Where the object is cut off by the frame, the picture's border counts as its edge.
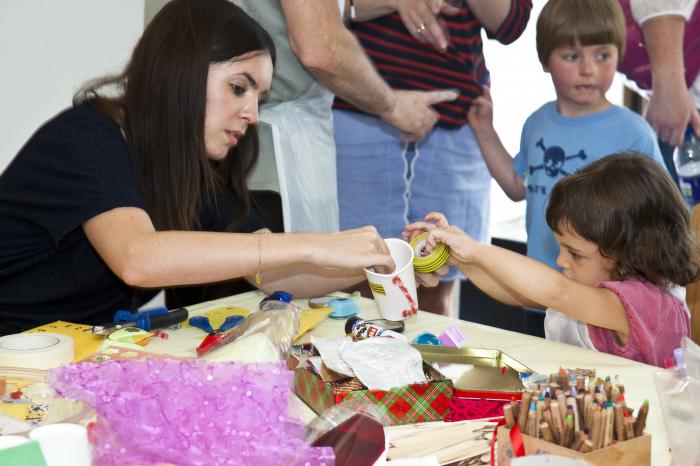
(361, 329)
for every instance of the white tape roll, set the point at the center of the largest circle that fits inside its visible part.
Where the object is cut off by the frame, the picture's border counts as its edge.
(36, 350)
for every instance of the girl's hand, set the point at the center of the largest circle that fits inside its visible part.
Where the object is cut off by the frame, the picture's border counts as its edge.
(432, 220)
(461, 245)
(431, 279)
(480, 114)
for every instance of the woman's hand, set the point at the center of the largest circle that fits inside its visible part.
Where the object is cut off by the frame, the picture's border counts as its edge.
(353, 249)
(422, 20)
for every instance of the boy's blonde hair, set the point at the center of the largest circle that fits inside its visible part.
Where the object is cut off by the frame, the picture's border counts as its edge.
(587, 22)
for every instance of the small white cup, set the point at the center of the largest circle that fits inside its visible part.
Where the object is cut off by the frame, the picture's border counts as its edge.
(63, 444)
(390, 298)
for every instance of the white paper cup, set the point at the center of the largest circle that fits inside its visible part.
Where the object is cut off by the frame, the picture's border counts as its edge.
(387, 289)
(63, 444)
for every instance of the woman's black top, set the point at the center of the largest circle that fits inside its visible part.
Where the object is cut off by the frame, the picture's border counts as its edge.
(76, 166)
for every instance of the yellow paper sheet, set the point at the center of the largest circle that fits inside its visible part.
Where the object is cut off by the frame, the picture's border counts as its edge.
(310, 318)
(85, 343)
(219, 315)
(18, 411)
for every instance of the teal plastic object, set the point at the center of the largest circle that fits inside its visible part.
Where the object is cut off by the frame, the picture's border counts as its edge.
(343, 308)
(426, 338)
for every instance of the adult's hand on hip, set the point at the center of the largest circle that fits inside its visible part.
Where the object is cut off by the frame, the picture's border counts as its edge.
(413, 114)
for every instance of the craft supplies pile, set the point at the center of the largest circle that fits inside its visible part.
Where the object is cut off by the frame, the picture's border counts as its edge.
(215, 387)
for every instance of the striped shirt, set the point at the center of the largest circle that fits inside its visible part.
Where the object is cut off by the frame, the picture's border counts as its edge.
(405, 63)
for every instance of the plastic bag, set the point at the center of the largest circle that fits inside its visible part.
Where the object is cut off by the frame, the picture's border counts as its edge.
(354, 432)
(679, 393)
(302, 133)
(277, 320)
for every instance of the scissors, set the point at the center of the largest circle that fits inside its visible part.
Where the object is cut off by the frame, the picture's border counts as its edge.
(202, 322)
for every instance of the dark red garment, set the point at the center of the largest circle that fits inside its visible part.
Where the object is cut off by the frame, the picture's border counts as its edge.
(635, 64)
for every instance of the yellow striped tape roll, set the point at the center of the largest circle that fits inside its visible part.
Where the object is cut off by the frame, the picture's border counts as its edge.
(428, 263)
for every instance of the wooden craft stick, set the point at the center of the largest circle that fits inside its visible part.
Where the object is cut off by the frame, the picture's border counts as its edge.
(629, 427)
(586, 446)
(556, 421)
(508, 414)
(641, 421)
(596, 428)
(547, 416)
(524, 406)
(568, 431)
(580, 437)
(546, 432)
(619, 423)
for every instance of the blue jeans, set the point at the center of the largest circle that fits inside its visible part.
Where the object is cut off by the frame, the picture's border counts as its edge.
(387, 183)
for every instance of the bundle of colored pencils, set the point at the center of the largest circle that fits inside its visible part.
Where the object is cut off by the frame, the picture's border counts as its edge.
(577, 412)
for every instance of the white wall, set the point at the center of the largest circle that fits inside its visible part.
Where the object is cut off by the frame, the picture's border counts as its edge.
(48, 49)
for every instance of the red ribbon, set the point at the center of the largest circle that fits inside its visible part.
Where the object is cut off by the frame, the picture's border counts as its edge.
(516, 440)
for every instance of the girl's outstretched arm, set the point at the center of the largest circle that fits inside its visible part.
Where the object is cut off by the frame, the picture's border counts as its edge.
(478, 275)
(535, 282)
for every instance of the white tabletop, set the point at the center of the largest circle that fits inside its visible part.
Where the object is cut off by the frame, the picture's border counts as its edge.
(541, 355)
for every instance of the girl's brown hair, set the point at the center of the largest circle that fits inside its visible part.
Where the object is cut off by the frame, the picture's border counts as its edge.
(630, 207)
(588, 22)
(160, 107)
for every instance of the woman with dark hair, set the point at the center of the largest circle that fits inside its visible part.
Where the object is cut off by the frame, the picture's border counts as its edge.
(141, 184)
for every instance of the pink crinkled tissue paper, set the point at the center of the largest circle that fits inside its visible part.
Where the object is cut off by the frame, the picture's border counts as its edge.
(189, 412)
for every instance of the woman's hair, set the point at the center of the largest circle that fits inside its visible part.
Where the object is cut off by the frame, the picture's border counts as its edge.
(588, 22)
(161, 103)
(629, 206)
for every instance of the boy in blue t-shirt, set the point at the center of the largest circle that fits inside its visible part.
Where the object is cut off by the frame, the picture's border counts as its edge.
(579, 43)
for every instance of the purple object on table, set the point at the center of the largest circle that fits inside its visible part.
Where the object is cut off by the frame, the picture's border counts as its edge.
(189, 412)
(453, 337)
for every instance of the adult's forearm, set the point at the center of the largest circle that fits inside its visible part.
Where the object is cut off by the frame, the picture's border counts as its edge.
(307, 281)
(334, 57)
(366, 10)
(490, 13)
(173, 258)
(663, 37)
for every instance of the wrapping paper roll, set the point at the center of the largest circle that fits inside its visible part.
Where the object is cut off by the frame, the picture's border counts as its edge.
(36, 350)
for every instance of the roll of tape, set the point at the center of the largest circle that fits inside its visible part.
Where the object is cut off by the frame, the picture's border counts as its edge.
(428, 263)
(36, 350)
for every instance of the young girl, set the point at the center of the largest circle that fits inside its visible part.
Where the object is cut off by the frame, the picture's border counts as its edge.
(625, 246)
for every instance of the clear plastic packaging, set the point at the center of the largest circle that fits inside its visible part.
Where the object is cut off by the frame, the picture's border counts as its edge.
(277, 320)
(46, 406)
(679, 393)
(353, 431)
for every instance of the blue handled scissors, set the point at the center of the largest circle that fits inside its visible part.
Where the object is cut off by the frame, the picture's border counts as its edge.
(202, 322)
